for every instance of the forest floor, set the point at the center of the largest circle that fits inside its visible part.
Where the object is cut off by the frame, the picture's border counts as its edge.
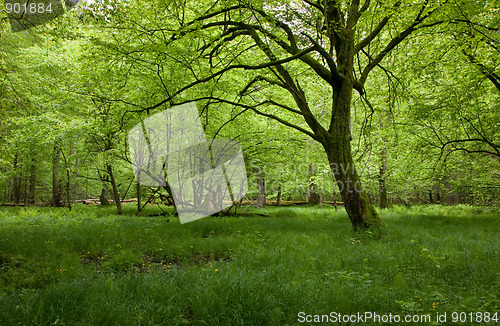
(92, 267)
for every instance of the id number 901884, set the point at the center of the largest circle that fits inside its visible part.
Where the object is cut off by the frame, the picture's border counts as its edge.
(474, 317)
(28, 8)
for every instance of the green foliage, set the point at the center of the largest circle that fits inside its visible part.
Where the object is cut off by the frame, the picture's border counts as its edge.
(80, 82)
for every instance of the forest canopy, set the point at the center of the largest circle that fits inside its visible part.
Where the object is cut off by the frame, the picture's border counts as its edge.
(364, 103)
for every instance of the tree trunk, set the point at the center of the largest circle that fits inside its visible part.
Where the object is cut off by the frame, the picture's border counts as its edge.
(68, 179)
(313, 198)
(261, 186)
(16, 193)
(68, 190)
(381, 182)
(361, 212)
(32, 188)
(138, 188)
(24, 195)
(337, 145)
(170, 197)
(103, 198)
(436, 196)
(448, 194)
(56, 189)
(278, 198)
(454, 195)
(116, 195)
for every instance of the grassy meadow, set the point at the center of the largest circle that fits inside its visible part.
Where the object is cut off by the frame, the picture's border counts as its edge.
(92, 267)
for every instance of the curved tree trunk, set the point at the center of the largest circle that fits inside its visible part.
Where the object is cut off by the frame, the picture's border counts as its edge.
(337, 144)
(356, 201)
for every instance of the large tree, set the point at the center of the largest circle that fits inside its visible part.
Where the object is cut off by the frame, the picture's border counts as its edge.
(289, 52)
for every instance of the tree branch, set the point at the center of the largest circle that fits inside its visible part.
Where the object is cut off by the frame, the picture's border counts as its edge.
(231, 67)
(397, 40)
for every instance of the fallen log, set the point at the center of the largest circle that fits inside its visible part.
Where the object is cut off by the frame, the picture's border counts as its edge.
(291, 203)
(92, 201)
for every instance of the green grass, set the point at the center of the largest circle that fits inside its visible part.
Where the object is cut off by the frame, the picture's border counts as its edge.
(91, 267)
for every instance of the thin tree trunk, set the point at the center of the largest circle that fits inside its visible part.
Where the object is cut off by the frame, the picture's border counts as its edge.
(381, 182)
(6, 193)
(16, 193)
(32, 188)
(138, 188)
(449, 194)
(435, 189)
(454, 195)
(313, 198)
(56, 189)
(278, 198)
(68, 190)
(116, 195)
(333, 197)
(261, 186)
(25, 189)
(68, 179)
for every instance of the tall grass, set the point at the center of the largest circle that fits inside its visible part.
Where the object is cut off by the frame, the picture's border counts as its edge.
(89, 266)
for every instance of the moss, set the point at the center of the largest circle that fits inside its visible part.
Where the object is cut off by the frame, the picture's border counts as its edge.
(371, 219)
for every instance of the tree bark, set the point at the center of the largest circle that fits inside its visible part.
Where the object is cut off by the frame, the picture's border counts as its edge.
(357, 204)
(337, 145)
(116, 195)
